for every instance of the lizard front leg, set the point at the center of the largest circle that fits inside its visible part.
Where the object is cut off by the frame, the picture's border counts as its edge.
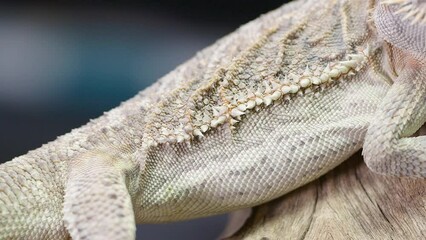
(97, 203)
(387, 148)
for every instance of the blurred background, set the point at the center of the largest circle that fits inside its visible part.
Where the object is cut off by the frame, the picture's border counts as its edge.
(65, 62)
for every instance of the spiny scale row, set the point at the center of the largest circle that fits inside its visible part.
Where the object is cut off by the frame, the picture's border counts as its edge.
(216, 104)
(416, 13)
(273, 91)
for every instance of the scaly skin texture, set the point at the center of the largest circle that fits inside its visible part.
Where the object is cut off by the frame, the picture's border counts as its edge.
(272, 106)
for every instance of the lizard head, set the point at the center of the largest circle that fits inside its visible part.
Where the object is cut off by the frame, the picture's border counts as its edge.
(402, 23)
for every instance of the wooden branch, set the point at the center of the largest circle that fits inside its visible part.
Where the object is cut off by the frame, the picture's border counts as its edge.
(350, 202)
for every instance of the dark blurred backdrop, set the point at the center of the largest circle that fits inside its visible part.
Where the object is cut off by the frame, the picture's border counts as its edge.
(64, 62)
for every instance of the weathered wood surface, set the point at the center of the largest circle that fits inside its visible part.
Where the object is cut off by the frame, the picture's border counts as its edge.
(350, 202)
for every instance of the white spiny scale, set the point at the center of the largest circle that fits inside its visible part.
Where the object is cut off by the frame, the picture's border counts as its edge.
(324, 77)
(214, 123)
(180, 138)
(267, 100)
(235, 112)
(316, 80)
(258, 100)
(221, 119)
(276, 95)
(233, 121)
(251, 104)
(357, 57)
(305, 82)
(197, 132)
(342, 68)
(334, 73)
(204, 128)
(242, 107)
(294, 88)
(286, 89)
(350, 63)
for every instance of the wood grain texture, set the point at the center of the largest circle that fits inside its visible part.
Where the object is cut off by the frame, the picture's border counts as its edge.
(350, 202)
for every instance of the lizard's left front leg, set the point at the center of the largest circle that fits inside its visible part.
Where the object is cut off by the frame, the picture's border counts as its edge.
(97, 203)
(388, 149)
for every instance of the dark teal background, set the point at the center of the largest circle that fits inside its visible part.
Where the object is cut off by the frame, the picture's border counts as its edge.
(63, 63)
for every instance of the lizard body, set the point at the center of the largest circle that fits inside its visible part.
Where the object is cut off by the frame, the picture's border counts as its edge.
(266, 109)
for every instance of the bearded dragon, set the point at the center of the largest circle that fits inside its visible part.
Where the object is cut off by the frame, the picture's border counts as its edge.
(268, 108)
